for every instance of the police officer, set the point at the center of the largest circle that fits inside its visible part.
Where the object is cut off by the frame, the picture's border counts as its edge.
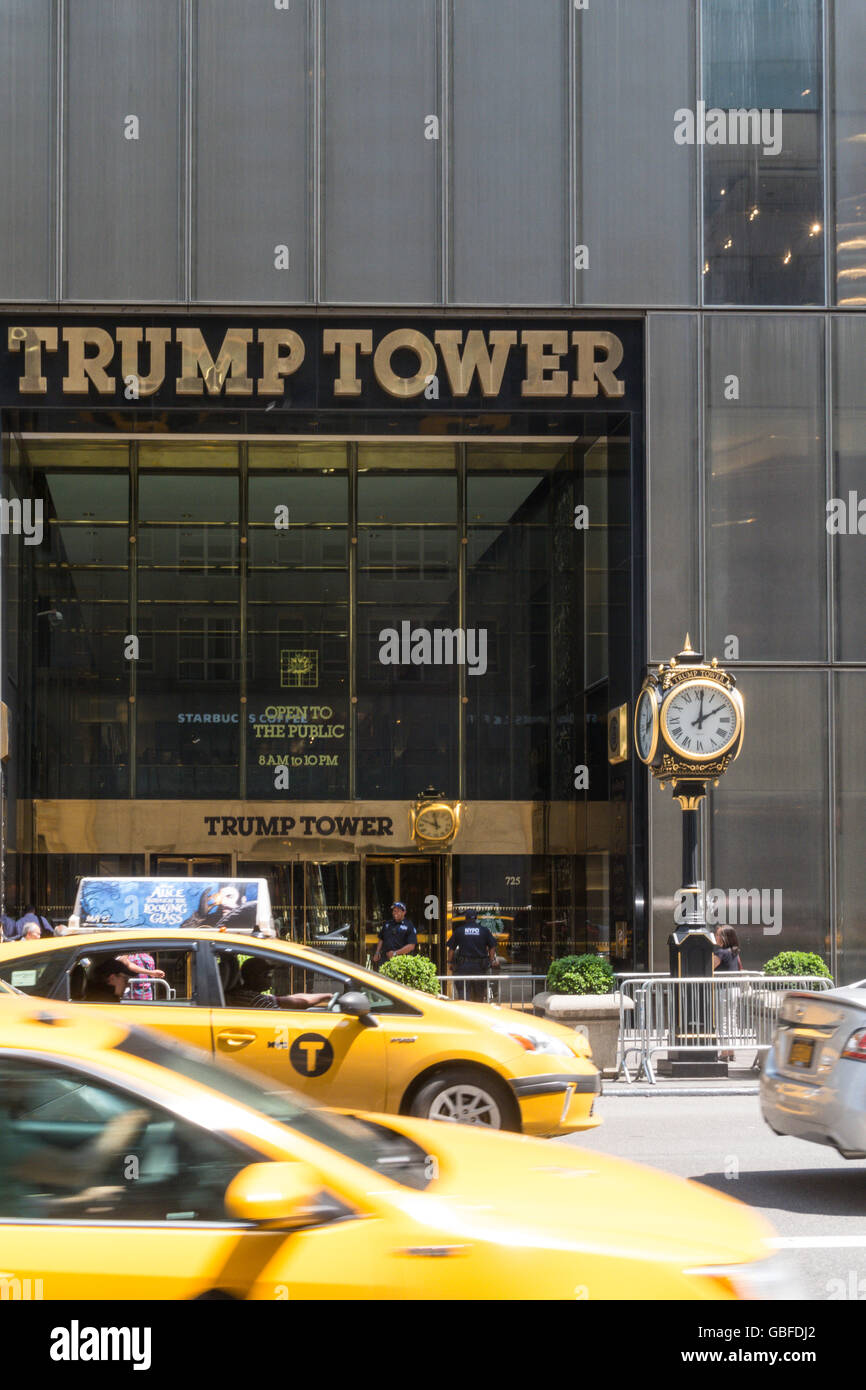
(472, 951)
(397, 936)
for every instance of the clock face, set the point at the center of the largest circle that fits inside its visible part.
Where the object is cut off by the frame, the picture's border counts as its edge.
(435, 822)
(701, 720)
(646, 731)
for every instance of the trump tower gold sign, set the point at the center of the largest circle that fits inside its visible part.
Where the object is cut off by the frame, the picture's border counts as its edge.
(319, 364)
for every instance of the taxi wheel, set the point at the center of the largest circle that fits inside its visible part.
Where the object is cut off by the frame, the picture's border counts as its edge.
(465, 1098)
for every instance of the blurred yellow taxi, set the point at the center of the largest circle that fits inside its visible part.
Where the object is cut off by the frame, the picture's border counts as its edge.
(342, 1034)
(131, 1168)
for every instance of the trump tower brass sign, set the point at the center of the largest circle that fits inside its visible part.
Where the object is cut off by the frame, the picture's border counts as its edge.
(325, 363)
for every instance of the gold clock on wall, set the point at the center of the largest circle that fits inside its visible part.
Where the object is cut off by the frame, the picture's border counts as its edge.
(434, 822)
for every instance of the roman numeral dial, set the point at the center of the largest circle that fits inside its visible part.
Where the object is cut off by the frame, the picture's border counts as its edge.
(700, 720)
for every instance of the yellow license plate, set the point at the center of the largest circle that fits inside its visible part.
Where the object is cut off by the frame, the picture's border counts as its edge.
(801, 1052)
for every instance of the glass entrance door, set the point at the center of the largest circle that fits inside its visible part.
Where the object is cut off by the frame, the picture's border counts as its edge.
(419, 882)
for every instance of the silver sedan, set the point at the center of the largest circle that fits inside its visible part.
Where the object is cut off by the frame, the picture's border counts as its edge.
(813, 1085)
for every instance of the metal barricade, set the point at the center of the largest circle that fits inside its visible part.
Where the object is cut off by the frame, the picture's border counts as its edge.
(512, 991)
(629, 1030)
(737, 1009)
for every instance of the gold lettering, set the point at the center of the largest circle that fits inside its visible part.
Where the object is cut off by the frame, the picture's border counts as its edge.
(229, 370)
(80, 367)
(275, 364)
(33, 340)
(541, 379)
(157, 339)
(461, 367)
(404, 386)
(592, 374)
(348, 342)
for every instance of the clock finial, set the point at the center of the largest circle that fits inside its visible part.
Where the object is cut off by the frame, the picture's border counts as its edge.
(688, 656)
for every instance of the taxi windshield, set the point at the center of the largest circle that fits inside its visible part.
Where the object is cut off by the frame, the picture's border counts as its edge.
(365, 1141)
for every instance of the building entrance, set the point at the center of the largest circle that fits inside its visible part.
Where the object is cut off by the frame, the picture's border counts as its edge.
(420, 883)
(459, 613)
(338, 905)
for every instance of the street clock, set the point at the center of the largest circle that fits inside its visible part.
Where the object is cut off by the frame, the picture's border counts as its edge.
(688, 729)
(689, 719)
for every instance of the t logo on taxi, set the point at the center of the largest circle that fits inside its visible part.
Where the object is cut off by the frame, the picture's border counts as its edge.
(311, 1054)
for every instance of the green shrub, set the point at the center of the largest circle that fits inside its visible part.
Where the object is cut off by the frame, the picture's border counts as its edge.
(418, 972)
(589, 974)
(796, 963)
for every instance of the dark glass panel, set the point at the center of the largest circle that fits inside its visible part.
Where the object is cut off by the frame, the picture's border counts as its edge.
(763, 191)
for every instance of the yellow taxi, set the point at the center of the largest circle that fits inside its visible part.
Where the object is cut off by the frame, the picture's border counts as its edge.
(342, 1034)
(134, 1168)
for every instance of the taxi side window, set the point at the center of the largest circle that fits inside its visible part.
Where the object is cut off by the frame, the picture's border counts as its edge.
(175, 985)
(73, 1148)
(285, 975)
(35, 974)
(309, 979)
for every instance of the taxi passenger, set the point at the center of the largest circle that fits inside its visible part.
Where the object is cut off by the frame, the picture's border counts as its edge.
(256, 976)
(107, 981)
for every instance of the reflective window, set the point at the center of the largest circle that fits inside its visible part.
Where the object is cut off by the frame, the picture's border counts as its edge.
(79, 618)
(766, 488)
(407, 601)
(762, 127)
(850, 825)
(297, 716)
(848, 543)
(773, 803)
(520, 595)
(848, 18)
(189, 622)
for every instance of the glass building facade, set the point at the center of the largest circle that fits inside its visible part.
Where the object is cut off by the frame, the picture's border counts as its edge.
(384, 159)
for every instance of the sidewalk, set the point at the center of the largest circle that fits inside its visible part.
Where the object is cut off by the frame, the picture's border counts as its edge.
(742, 1080)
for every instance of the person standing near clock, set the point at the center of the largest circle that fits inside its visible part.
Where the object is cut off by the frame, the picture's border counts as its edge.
(397, 935)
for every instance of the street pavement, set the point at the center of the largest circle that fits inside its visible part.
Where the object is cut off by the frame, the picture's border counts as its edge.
(815, 1200)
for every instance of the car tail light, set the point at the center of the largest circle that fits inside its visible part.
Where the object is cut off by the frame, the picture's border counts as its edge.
(855, 1047)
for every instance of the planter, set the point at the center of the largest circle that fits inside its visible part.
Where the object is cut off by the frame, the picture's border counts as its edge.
(594, 1015)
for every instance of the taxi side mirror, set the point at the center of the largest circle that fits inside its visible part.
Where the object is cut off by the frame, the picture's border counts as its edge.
(356, 1003)
(275, 1196)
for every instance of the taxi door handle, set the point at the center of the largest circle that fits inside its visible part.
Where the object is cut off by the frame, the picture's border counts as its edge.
(233, 1041)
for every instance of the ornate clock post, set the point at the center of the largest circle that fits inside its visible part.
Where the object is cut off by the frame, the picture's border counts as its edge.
(689, 723)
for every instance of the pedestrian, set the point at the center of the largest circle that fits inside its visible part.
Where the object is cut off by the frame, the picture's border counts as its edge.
(726, 952)
(472, 951)
(397, 935)
(30, 917)
(726, 958)
(31, 932)
(8, 928)
(143, 968)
